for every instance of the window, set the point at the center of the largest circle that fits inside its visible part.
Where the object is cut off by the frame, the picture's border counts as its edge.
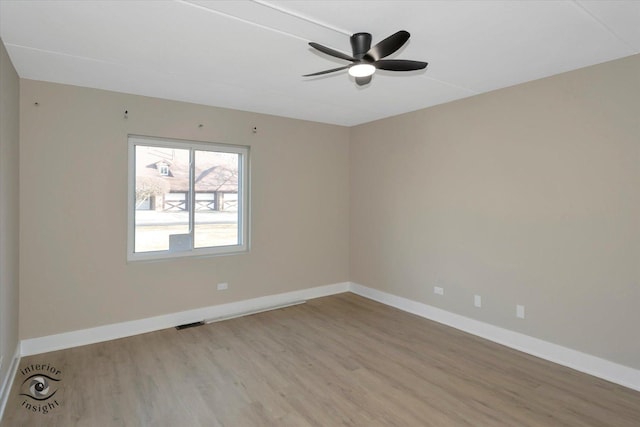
(163, 169)
(186, 198)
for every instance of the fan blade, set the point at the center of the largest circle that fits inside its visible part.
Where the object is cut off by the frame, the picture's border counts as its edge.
(331, 52)
(389, 45)
(399, 65)
(361, 81)
(319, 73)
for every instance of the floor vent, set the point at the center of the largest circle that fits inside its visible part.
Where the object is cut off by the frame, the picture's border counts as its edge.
(189, 325)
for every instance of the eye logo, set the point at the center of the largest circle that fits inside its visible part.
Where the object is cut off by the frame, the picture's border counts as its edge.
(39, 387)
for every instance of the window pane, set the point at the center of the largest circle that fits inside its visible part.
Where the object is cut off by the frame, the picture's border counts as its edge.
(217, 203)
(162, 202)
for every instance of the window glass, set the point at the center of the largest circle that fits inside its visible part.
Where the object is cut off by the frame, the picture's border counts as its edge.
(216, 194)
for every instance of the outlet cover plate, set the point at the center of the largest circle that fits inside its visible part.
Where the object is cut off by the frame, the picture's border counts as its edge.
(477, 301)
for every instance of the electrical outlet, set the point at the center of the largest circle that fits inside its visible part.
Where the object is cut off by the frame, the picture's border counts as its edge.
(438, 290)
(223, 286)
(520, 311)
(477, 301)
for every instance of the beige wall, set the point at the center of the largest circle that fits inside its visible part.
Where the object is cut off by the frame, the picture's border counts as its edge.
(528, 195)
(74, 273)
(9, 221)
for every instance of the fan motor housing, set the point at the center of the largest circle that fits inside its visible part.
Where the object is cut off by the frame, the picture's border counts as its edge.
(360, 44)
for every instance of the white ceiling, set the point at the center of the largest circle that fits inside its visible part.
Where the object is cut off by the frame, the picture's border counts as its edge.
(250, 55)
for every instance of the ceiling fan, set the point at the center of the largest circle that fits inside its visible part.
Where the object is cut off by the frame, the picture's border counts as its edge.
(366, 59)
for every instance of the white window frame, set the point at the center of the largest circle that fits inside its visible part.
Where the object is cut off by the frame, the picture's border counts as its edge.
(243, 198)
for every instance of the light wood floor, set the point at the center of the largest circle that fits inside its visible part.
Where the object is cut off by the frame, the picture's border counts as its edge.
(340, 360)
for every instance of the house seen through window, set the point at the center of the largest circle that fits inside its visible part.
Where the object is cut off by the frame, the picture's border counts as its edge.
(186, 198)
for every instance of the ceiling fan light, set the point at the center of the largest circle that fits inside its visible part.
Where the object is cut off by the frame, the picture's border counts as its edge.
(362, 70)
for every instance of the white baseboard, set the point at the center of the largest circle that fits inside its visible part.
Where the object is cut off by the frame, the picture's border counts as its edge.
(134, 327)
(7, 382)
(573, 359)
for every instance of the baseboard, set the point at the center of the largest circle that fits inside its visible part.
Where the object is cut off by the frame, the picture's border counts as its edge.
(7, 382)
(125, 329)
(570, 358)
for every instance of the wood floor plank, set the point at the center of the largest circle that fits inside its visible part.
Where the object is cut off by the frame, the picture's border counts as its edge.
(336, 361)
